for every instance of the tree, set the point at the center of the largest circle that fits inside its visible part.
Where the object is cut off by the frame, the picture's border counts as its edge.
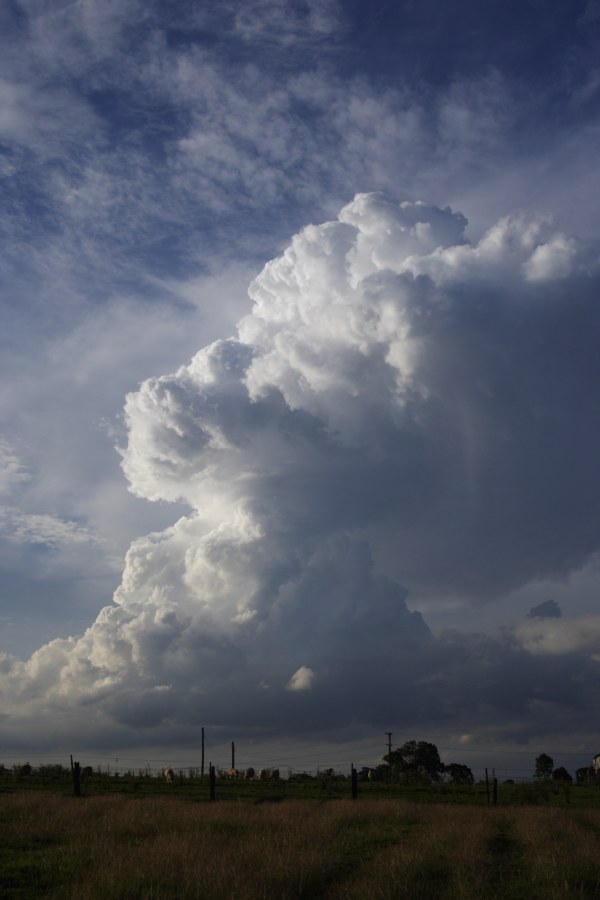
(544, 765)
(459, 774)
(561, 774)
(416, 761)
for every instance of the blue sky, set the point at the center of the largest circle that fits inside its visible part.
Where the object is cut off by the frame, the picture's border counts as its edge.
(427, 481)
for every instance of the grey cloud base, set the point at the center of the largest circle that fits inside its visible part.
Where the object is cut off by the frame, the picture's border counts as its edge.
(402, 414)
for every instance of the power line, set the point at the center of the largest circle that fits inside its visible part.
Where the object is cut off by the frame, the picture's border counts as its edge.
(346, 754)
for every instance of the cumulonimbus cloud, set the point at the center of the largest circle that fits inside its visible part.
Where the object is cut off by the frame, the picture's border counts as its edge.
(400, 410)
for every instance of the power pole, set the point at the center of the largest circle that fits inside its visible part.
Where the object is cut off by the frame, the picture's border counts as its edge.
(389, 737)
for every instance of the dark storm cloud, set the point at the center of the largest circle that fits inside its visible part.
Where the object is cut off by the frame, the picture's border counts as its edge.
(549, 609)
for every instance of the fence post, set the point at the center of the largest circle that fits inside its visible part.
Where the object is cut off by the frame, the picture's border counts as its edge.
(495, 792)
(211, 782)
(76, 779)
(354, 779)
(487, 786)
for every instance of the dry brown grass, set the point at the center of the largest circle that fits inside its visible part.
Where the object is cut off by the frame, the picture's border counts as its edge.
(442, 853)
(563, 851)
(120, 847)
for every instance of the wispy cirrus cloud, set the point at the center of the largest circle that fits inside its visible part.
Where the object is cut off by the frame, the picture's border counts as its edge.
(35, 528)
(13, 471)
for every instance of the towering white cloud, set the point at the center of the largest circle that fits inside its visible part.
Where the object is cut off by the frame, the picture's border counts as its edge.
(400, 410)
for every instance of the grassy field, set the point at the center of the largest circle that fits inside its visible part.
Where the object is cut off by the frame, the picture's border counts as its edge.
(132, 846)
(188, 784)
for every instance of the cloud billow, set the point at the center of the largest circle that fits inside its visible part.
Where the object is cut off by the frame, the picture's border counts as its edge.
(401, 413)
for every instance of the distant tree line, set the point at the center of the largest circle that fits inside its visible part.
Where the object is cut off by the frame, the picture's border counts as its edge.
(419, 762)
(544, 770)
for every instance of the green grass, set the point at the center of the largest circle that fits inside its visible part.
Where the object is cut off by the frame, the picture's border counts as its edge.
(56, 778)
(131, 846)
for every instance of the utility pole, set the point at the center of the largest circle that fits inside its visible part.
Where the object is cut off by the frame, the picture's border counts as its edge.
(389, 737)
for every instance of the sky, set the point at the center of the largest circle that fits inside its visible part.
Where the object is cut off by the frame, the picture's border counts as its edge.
(299, 424)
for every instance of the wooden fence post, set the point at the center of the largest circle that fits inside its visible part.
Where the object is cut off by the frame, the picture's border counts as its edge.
(76, 779)
(495, 792)
(211, 782)
(487, 786)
